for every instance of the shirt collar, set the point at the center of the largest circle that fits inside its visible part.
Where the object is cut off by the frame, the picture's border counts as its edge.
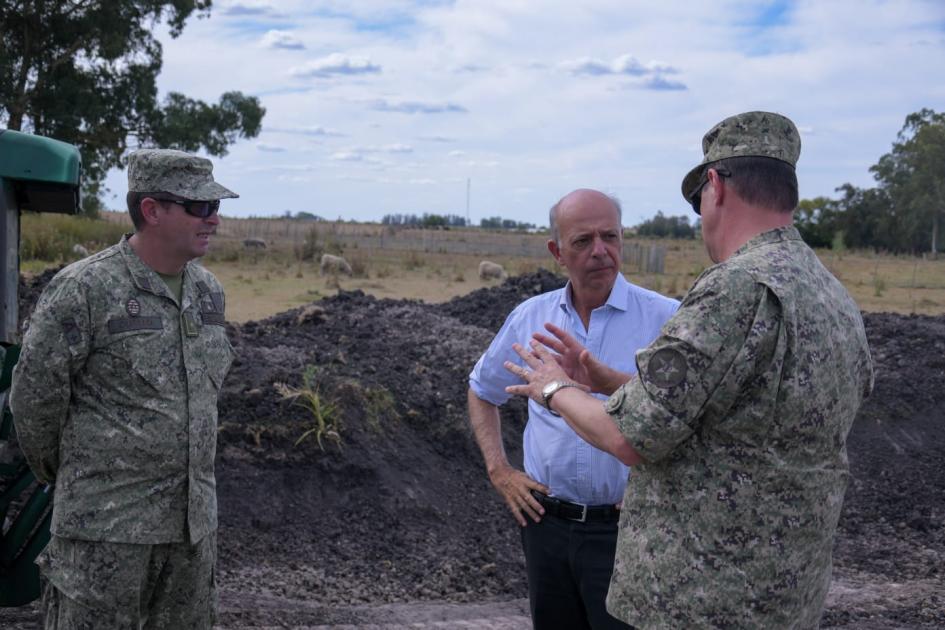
(777, 235)
(147, 279)
(617, 299)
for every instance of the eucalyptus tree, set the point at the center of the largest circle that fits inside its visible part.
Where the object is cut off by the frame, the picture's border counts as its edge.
(913, 176)
(84, 71)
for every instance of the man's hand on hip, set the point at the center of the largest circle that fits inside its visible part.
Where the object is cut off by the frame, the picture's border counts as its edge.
(515, 487)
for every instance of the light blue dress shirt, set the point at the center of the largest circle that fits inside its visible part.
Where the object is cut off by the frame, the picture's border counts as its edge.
(554, 454)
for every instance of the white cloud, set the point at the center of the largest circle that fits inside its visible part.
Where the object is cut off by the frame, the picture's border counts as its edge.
(347, 156)
(659, 82)
(335, 64)
(271, 148)
(281, 39)
(624, 64)
(397, 148)
(417, 107)
(437, 139)
(243, 8)
(311, 130)
(599, 94)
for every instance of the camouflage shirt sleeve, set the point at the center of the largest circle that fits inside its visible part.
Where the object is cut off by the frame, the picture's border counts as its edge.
(54, 348)
(725, 333)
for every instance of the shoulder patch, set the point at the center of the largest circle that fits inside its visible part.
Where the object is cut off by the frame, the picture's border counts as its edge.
(667, 368)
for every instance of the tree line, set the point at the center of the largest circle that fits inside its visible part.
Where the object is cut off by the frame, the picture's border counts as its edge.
(452, 220)
(662, 226)
(903, 212)
(424, 221)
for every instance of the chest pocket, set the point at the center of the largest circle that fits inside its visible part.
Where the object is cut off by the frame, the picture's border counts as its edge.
(134, 352)
(215, 347)
(217, 353)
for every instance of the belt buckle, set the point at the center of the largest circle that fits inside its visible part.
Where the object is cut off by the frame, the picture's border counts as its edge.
(583, 517)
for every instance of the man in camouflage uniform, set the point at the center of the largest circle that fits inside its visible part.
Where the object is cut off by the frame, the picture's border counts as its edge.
(115, 402)
(737, 422)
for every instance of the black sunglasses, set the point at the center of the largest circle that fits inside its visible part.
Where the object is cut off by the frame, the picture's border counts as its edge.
(199, 209)
(696, 198)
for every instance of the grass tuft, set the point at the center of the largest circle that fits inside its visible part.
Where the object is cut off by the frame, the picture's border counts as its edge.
(324, 412)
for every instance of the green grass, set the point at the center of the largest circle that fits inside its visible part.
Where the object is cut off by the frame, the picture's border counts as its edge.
(51, 237)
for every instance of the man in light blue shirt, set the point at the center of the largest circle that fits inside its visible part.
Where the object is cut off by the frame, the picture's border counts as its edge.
(570, 490)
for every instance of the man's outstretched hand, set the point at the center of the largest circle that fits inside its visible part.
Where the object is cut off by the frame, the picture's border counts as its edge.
(578, 362)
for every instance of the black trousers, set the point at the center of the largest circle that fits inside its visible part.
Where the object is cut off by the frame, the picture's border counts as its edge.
(569, 566)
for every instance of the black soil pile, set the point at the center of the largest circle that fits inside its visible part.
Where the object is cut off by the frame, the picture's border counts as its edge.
(399, 508)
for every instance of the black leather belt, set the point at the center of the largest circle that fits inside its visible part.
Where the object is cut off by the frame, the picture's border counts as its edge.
(578, 511)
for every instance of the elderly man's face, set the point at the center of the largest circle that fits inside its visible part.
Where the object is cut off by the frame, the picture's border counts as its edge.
(590, 240)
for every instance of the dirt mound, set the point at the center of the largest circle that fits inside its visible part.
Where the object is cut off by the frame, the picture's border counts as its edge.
(487, 308)
(401, 510)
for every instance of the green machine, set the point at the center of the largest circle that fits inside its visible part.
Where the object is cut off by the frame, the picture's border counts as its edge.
(41, 175)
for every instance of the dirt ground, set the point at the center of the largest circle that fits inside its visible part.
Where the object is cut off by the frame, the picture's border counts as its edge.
(397, 524)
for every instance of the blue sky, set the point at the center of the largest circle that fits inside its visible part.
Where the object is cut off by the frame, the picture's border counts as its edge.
(383, 106)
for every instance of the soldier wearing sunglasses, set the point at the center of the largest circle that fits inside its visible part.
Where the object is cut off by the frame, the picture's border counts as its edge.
(115, 403)
(736, 420)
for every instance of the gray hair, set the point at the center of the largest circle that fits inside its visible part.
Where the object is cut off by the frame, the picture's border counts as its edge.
(553, 214)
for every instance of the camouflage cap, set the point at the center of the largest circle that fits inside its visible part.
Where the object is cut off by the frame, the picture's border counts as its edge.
(752, 134)
(174, 172)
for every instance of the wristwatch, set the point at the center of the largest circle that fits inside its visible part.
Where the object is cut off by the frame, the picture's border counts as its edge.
(551, 389)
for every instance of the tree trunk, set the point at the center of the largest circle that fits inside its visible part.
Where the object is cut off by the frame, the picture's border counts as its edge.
(935, 235)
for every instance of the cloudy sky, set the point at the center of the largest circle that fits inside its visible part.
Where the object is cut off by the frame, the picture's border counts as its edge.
(387, 106)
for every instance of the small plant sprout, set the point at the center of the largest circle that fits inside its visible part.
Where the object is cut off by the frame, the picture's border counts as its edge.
(308, 396)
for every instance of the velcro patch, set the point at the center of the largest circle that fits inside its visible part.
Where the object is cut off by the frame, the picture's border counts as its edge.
(217, 319)
(190, 324)
(667, 368)
(71, 330)
(217, 299)
(125, 324)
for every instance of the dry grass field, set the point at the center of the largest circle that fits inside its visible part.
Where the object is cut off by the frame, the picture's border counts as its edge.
(435, 266)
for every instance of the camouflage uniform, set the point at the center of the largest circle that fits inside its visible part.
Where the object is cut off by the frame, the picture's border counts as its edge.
(115, 401)
(741, 411)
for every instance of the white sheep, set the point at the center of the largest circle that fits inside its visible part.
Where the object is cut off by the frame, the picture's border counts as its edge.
(490, 270)
(334, 265)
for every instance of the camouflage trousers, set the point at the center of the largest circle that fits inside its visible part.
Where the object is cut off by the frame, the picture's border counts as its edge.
(119, 586)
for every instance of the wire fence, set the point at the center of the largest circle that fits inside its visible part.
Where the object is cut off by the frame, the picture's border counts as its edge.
(645, 257)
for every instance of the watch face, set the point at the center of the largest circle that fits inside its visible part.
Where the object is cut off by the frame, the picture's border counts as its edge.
(550, 388)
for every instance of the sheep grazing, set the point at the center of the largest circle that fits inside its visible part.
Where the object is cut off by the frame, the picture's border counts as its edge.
(254, 243)
(491, 271)
(334, 265)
